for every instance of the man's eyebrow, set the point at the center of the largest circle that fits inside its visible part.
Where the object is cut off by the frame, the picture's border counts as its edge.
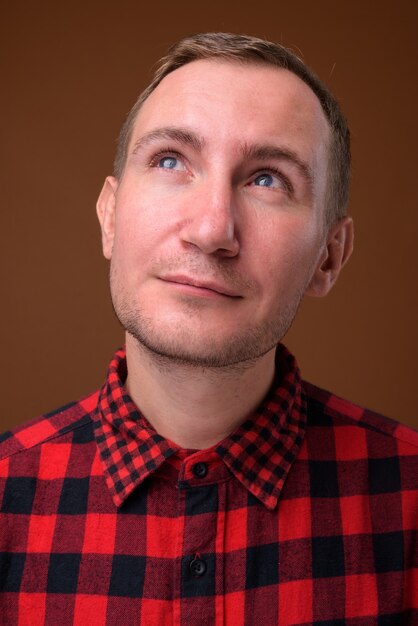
(249, 152)
(170, 133)
(270, 152)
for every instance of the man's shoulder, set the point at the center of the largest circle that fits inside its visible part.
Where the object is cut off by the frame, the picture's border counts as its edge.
(328, 409)
(49, 427)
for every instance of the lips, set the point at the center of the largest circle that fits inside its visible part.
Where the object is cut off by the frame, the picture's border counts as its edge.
(203, 284)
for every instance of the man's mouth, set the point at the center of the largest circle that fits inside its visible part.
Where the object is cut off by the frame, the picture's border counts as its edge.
(200, 286)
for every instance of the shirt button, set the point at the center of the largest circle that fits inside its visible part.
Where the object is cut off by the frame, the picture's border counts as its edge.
(200, 470)
(197, 567)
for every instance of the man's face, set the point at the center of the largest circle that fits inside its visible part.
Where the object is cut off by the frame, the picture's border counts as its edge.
(216, 229)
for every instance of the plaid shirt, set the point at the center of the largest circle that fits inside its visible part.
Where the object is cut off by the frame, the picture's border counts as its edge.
(307, 514)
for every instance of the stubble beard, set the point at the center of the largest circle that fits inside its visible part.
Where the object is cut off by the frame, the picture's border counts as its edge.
(176, 345)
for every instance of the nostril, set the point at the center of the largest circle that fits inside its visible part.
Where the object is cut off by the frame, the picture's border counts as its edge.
(211, 235)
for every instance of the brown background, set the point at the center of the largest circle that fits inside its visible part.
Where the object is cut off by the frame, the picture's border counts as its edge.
(71, 72)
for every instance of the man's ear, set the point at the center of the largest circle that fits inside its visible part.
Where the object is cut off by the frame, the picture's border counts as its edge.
(106, 213)
(337, 249)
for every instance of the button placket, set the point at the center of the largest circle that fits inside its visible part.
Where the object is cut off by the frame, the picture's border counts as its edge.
(198, 482)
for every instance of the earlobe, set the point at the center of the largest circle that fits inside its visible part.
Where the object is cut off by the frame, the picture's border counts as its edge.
(335, 254)
(105, 208)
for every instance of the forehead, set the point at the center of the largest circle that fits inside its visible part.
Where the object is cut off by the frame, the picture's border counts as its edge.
(234, 102)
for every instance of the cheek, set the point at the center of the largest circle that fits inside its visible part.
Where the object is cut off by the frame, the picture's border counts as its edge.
(134, 228)
(144, 215)
(286, 248)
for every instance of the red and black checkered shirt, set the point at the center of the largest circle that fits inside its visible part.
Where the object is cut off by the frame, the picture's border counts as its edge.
(307, 514)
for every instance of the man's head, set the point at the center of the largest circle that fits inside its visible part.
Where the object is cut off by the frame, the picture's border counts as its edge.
(217, 226)
(252, 50)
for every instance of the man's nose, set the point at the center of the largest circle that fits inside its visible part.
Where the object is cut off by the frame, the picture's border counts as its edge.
(211, 222)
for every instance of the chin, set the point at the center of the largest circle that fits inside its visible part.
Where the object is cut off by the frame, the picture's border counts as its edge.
(202, 348)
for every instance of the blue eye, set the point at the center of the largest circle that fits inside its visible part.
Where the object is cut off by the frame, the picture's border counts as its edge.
(272, 180)
(168, 162)
(264, 180)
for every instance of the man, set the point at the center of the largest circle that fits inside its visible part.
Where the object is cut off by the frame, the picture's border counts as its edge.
(205, 483)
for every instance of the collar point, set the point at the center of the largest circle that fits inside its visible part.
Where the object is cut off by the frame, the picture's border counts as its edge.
(118, 499)
(270, 503)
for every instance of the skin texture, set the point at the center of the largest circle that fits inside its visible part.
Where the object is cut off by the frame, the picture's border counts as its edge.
(215, 233)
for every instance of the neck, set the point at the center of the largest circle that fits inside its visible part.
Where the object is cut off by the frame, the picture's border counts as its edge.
(191, 406)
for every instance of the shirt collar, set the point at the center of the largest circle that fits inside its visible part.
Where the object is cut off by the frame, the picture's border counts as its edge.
(259, 453)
